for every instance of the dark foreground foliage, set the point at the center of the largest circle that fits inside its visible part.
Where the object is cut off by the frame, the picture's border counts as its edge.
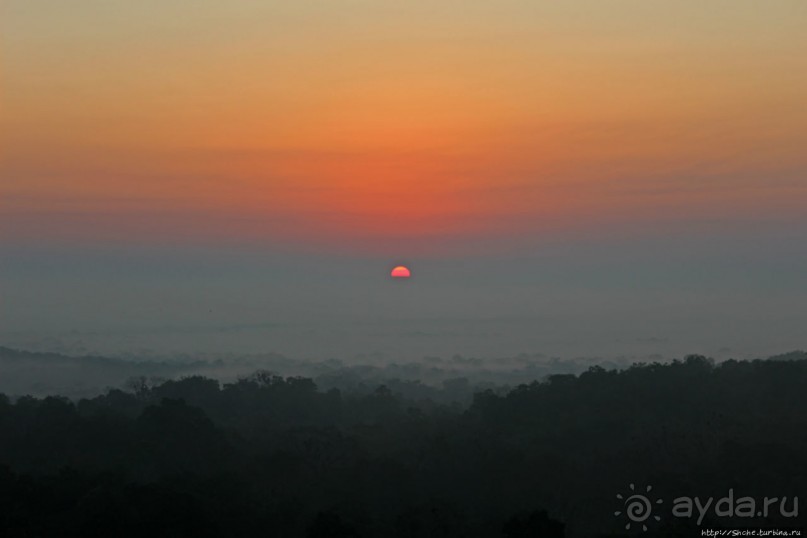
(273, 456)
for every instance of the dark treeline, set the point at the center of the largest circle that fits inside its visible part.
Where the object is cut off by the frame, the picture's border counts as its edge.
(276, 456)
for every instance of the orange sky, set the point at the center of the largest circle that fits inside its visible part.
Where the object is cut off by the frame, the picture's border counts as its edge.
(361, 123)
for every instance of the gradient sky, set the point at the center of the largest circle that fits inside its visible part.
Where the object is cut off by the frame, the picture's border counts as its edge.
(589, 164)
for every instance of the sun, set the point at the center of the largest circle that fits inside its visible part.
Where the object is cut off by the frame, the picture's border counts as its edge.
(400, 271)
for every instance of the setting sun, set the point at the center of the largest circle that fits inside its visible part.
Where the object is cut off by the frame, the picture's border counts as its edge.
(400, 272)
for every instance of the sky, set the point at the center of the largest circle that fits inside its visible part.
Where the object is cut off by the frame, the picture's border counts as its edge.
(578, 178)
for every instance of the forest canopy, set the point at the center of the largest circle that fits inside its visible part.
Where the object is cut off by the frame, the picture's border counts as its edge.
(279, 456)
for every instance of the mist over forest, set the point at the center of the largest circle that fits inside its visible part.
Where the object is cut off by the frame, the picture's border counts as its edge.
(467, 450)
(43, 374)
